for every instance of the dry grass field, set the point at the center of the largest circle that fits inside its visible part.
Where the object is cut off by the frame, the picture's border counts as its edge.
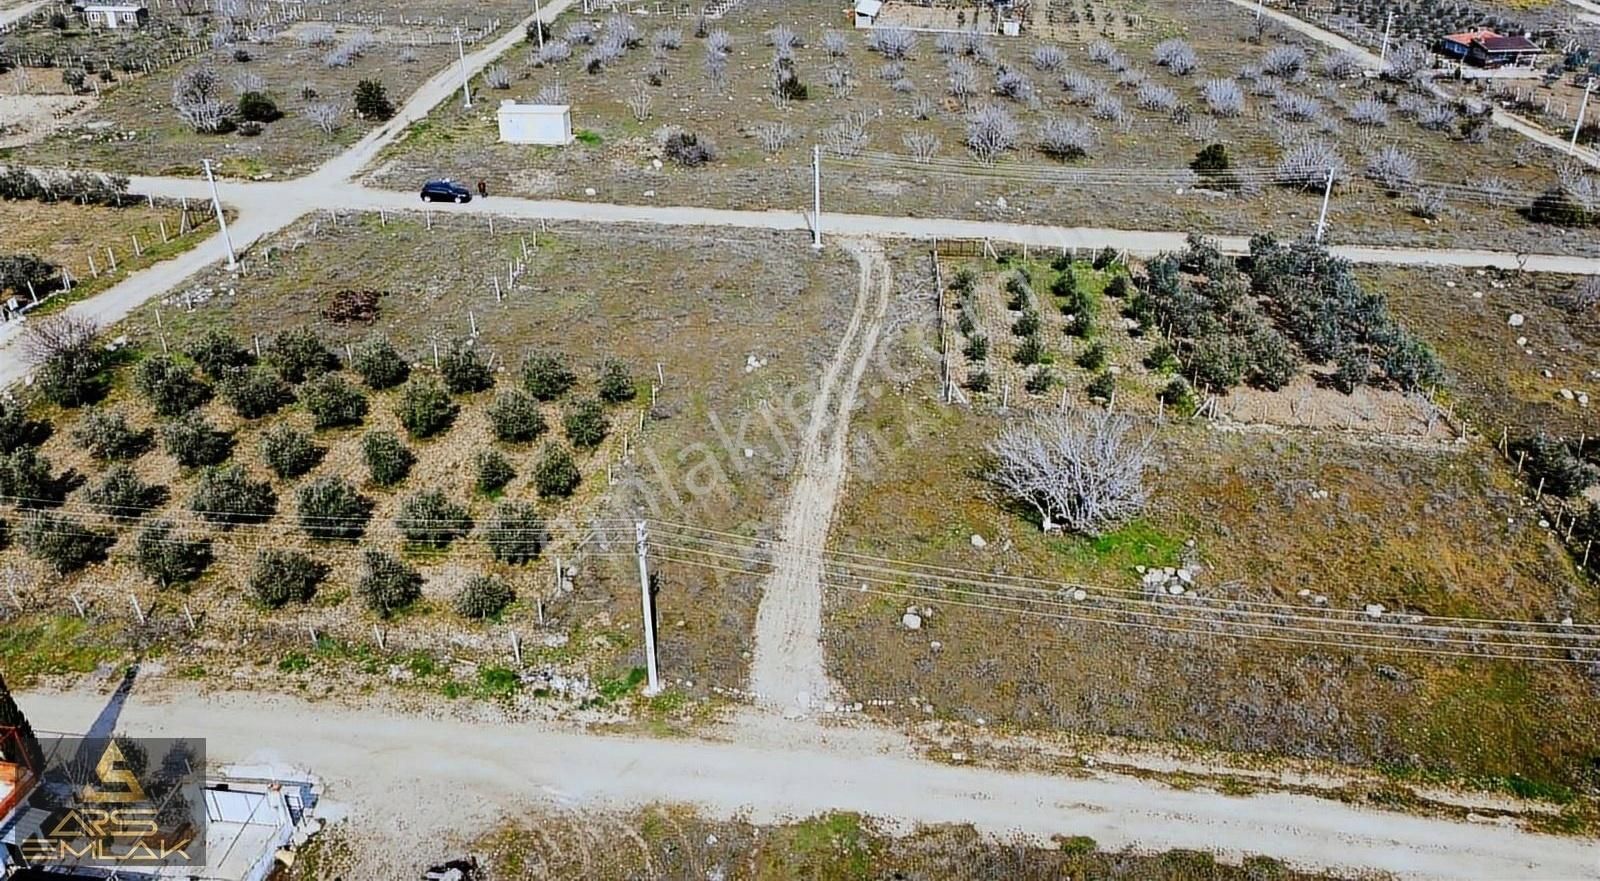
(701, 321)
(874, 110)
(1307, 518)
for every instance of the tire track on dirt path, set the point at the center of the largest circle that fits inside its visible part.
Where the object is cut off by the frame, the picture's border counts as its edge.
(787, 671)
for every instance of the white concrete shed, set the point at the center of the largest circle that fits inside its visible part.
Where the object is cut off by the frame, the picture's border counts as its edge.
(535, 123)
(867, 12)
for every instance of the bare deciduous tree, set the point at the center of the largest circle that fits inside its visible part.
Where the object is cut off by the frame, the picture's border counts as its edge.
(552, 92)
(785, 37)
(1392, 168)
(553, 52)
(1223, 97)
(1081, 471)
(922, 107)
(496, 76)
(1013, 84)
(62, 334)
(1341, 65)
(667, 39)
(1048, 58)
(1066, 138)
(1101, 52)
(921, 144)
(835, 43)
(316, 35)
(1154, 96)
(1406, 61)
(1296, 106)
(197, 96)
(1082, 88)
(1307, 165)
(639, 102)
(1369, 113)
(1107, 107)
(1176, 56)
(963, 82)
(719, 42)
(892, 42)
(848, 136)
(774, 136)
(1428, 204)
(991, 131)
(248, 82)
(327, 117)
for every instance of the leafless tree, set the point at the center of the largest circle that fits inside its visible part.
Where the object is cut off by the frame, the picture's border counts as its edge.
(921, 144)
(1406, 62)
(327, 117)
(406, 55)
(622, 28)
(496, 76)
(1154, 96)
(903, 86)
(892, 42)
(838, 78)
(248, 82)
(1392, 168)
(1428, 204)
(1101, 52)
(1048, 58)
(1306, 165)
(1082, 88)
(848, 136)
(963, 82)
(61, 334)
(1296, 106)
(774, 136)
(1341, 65)
(316, 35)
(1176, 56)
(890, 71)
(1082, 470)
(1107, 107)
(666, 39)
(1132, 78)
(1223, 97)
(835, 43)
(639, 102)
(1066, 138)
(922, 107)
(1202, 129)
(580, 32)
(947, 43)
(1436, 117)
(784, 36)
(553, 52)
(1284, 62)
(719, 42)
(991, 131)
(1014, 85)
(553, 92)
(717, 70)
(197, 96)
(1369, 113)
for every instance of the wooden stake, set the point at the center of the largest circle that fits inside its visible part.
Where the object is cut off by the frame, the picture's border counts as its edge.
(137, 609)
(516, 648)
(188, 616)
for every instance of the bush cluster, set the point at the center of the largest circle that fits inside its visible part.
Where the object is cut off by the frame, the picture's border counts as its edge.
(26, 480)
(388, 460)
(379, 364)
(429, 519)
(514, 417)
(217, 354)
(615, 385)
(289, 452)
(171, 388)
(555, 475)
(254, 392)
(107, 436)
(333, 402)
(463, 371)
(194, 442)
(515, 533)
(585, 423)
(169, 557)
(546, 378)
(281, 577)
(387, 584)
(484, 596)
(16, 429)
(62, 542)
(300, 354)
(122, 493)
(425, 408)
(228, 497)
(332, 510)
(493, 471)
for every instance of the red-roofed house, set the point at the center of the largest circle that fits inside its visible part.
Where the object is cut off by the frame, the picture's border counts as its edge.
(1485, 48)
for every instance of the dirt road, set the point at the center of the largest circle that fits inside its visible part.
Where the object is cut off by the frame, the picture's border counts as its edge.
(413, 780)
(787, 670)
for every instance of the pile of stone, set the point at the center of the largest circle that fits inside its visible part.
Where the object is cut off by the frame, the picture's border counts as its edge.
(1170, 580)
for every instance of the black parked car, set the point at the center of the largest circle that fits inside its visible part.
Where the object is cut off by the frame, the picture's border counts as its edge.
(445, 191)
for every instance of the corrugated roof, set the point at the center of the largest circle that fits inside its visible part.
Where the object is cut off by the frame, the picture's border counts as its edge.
(1508, 44)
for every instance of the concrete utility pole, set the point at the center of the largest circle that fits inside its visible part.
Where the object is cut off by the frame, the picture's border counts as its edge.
(466, 89)
(1577, 126)
(222, 222)
(538, 24)
(816, 196)
(1322, 219)
(1383, 53)
(653, 685)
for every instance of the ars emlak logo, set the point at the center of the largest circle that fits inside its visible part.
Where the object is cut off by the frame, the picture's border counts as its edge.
(125, 814)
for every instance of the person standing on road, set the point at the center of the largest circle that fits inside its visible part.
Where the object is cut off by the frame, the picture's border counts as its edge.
(483, 189)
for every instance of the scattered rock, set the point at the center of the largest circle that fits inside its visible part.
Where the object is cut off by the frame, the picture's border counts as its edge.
(1566, 394)
(588, 191)
(1522, 341)
(1175, 589)
(911, 621)
(936, 645)
(1185, 576)
(1079, 594)
(1374, 610)
(1516, 319)
(978, 542)
(1304, 592)
(1450, 284)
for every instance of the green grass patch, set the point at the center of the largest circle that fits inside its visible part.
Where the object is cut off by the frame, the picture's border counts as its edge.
(1137, 543)
(586, 136)
(829, 846)
(615, 689)
(498, 681)
(58, 645)
(294, 662)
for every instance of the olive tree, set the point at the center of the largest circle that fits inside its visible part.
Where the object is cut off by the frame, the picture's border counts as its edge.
(388, 460)
(331, 509)
(515, 534)
(429, 519)
(169, 557)
(282, 576)
(387, 584)
(484, 596)
(228, 497)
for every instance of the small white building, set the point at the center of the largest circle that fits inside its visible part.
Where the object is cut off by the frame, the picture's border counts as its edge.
(867, 12)
(549, 124)
(115, 14)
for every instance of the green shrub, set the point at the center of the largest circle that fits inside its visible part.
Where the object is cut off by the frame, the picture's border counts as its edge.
(299, 355)
(1550, 462)
(1065, 284)
(484, 596)
(615, 384)
(107, 436)
(282, 577)
(977, 348)
(16, 429)
(1031, 351)
(1558, 207)
(388, 585)
(515, 418)
(1026, 324)
(372, 101)
(1218, 362)
(254, 392)
(171, 388)
(226, 496)
(1177, 394)
(378, 364)
(515, 534)
(978, 381)
(425, 408)
(121, 493)
(1061, 262)
(1093, 357)
(1105, 259)
(964, 281)
(429, 519)
(585, 423)
(62, 542)
(26, 481)
(463, 371)
(332, 510)
(1040, 381)
(73, 372)
(256, 107)
(1273, 360)
(1103, 386)
(193, 442)
(1019, 295)
(1212, 162)
(1161, 357)
(494, 472)
(388, 460)
(333, 402)
(546, 378)
(556, 475)
(167, 557)
(1117, 288)
(219, 354)
(289, 452)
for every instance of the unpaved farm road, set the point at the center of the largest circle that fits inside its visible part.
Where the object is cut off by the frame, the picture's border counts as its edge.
(422, 778)
(787, 670)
